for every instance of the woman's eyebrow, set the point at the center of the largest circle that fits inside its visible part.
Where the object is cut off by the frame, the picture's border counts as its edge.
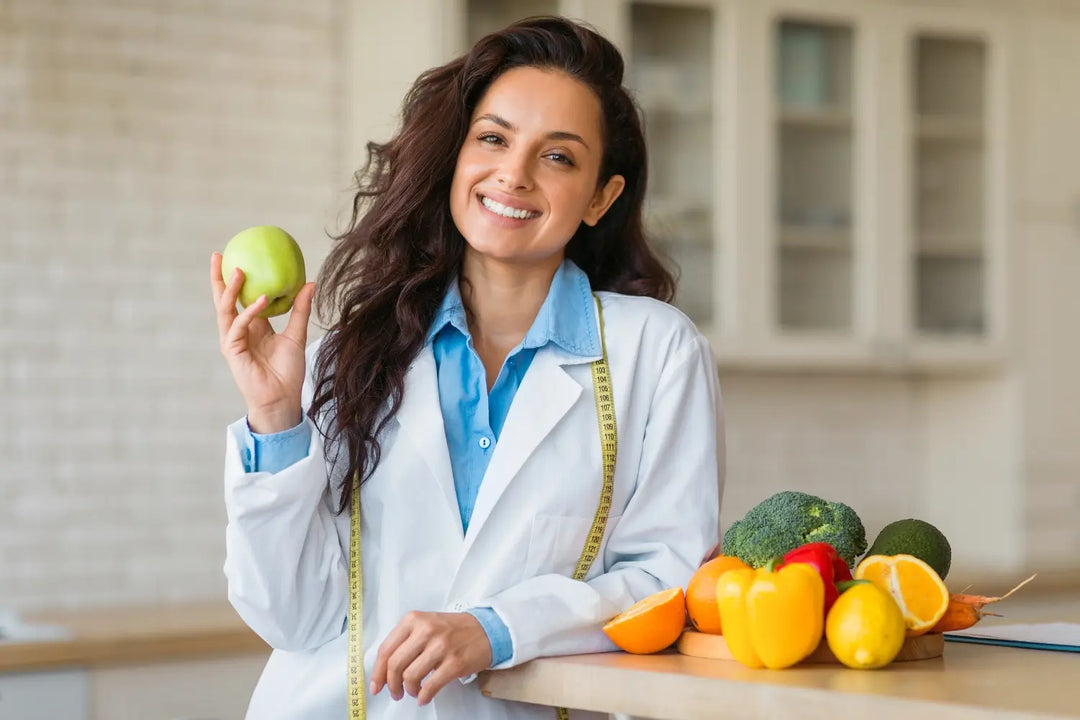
(553, 135)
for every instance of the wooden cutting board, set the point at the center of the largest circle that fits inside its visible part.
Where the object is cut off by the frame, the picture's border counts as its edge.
(705, 645)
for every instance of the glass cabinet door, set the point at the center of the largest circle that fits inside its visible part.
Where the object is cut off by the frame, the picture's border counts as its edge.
(949, 193)
(814, 168)
(671, 73)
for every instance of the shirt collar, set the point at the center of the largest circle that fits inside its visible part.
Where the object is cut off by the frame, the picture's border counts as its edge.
(567, 317)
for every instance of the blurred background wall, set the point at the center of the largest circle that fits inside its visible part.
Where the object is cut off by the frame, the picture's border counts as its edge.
(137, 136)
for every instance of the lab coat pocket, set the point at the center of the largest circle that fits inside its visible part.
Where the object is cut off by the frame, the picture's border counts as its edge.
(556, 542)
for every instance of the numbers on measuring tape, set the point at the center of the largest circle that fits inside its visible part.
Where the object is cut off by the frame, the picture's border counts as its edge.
(357, 696)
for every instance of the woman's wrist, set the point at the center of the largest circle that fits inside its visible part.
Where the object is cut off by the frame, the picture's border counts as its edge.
(266, 421)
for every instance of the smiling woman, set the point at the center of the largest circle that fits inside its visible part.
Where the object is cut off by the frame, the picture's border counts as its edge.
(528, 173)
(507, 417)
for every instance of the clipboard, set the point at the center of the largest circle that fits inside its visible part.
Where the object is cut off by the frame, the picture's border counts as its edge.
(1059, 636)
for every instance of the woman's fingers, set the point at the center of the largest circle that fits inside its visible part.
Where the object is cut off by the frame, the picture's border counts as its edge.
(217, 284)
(400, 675)
(396, 654)
(226, 302)
(413, 677)
(435, 682)
(425, 651)
(386, 650)
(296, 330)
(236, 336)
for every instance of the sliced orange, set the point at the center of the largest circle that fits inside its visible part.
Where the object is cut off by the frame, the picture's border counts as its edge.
(701, 604)
(649, 625)
(917, 589)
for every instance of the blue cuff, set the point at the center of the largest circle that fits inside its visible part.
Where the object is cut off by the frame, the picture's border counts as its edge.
(502, 648)
(274, 452)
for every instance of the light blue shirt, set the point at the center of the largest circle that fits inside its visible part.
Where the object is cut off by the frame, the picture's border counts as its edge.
(473, 417)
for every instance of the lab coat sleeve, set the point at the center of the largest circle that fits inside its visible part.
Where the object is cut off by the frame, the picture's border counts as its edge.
(670, 524)
(287, 572)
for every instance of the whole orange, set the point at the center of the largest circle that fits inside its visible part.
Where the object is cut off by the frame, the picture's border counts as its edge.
(701, 602)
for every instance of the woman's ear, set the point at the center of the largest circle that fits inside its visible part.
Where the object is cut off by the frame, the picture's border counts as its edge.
(603, 199)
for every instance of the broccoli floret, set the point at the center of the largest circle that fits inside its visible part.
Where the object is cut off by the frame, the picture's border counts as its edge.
(789, 519)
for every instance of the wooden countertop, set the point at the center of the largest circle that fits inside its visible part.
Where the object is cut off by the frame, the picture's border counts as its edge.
(970, 682)
(135, 636)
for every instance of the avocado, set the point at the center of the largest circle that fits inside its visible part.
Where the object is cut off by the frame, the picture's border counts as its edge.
(915, 537)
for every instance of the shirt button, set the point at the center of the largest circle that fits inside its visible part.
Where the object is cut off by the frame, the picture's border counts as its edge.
(485, 443)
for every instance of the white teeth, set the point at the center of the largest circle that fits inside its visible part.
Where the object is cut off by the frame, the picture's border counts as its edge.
(505, 210)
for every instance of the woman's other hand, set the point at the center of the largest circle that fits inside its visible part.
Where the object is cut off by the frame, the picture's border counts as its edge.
(268, 367)
(427, 650)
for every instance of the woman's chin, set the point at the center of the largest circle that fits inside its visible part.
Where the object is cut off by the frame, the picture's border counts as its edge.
(495, 249)
(509, 254)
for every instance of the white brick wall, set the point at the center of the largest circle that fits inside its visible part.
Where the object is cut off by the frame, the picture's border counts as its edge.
(136, 137)
(1047, 257)
(846, 439)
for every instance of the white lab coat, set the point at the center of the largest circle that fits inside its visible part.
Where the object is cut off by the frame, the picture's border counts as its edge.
(287, 551)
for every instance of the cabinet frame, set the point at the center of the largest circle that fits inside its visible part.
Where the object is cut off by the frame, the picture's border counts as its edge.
(928, 352)
(883, 338)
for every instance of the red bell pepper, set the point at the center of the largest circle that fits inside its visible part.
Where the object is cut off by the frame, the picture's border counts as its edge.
(822, 556)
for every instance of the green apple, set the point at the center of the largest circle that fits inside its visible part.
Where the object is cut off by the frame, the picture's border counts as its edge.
(273, 266)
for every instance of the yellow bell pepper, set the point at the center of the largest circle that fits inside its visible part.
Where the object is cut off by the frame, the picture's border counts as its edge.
(772, 617)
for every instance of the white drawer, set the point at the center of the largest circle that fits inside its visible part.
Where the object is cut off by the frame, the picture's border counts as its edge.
(44, 695)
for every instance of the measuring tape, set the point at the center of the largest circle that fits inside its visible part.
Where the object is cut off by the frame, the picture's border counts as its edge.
(609, 445)
(357, 693)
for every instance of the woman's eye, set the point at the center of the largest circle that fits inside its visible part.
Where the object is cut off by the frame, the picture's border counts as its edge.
(560, 158)
(490, 139)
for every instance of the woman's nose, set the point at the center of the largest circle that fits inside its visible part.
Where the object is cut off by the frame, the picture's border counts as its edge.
(514, 173)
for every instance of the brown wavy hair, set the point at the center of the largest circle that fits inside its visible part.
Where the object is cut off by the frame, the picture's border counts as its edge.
(386, 276)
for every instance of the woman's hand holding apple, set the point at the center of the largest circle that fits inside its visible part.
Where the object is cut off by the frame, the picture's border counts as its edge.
(268, 367)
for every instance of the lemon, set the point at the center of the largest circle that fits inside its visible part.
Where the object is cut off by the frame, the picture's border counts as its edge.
(865, 628)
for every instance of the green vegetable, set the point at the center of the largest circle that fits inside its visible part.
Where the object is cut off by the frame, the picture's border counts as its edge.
(789, 519)
(845, 585)
(918, 538)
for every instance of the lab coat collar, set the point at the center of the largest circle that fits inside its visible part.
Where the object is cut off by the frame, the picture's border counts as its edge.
(546, 394)
(420, 419)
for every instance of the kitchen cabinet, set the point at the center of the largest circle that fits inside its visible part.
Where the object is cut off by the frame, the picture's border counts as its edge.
(214, 688)
(831, 177)
(169, 662)
(44, 695)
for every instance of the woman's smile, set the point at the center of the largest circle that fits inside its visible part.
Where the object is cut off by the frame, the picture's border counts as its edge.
(507, 212)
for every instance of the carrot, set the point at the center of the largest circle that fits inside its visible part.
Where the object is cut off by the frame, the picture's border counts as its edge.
(960, 614)
(966, 610)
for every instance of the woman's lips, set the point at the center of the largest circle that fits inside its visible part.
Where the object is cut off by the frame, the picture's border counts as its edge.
(503, 220)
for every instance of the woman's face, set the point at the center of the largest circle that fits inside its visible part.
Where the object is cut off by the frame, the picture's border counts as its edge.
(527, 173)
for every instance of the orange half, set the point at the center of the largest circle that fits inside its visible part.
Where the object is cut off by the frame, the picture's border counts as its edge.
(651, 624)
(917, 589)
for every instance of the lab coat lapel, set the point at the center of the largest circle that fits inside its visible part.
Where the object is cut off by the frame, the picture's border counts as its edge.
(421, 421)
(546, 394)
